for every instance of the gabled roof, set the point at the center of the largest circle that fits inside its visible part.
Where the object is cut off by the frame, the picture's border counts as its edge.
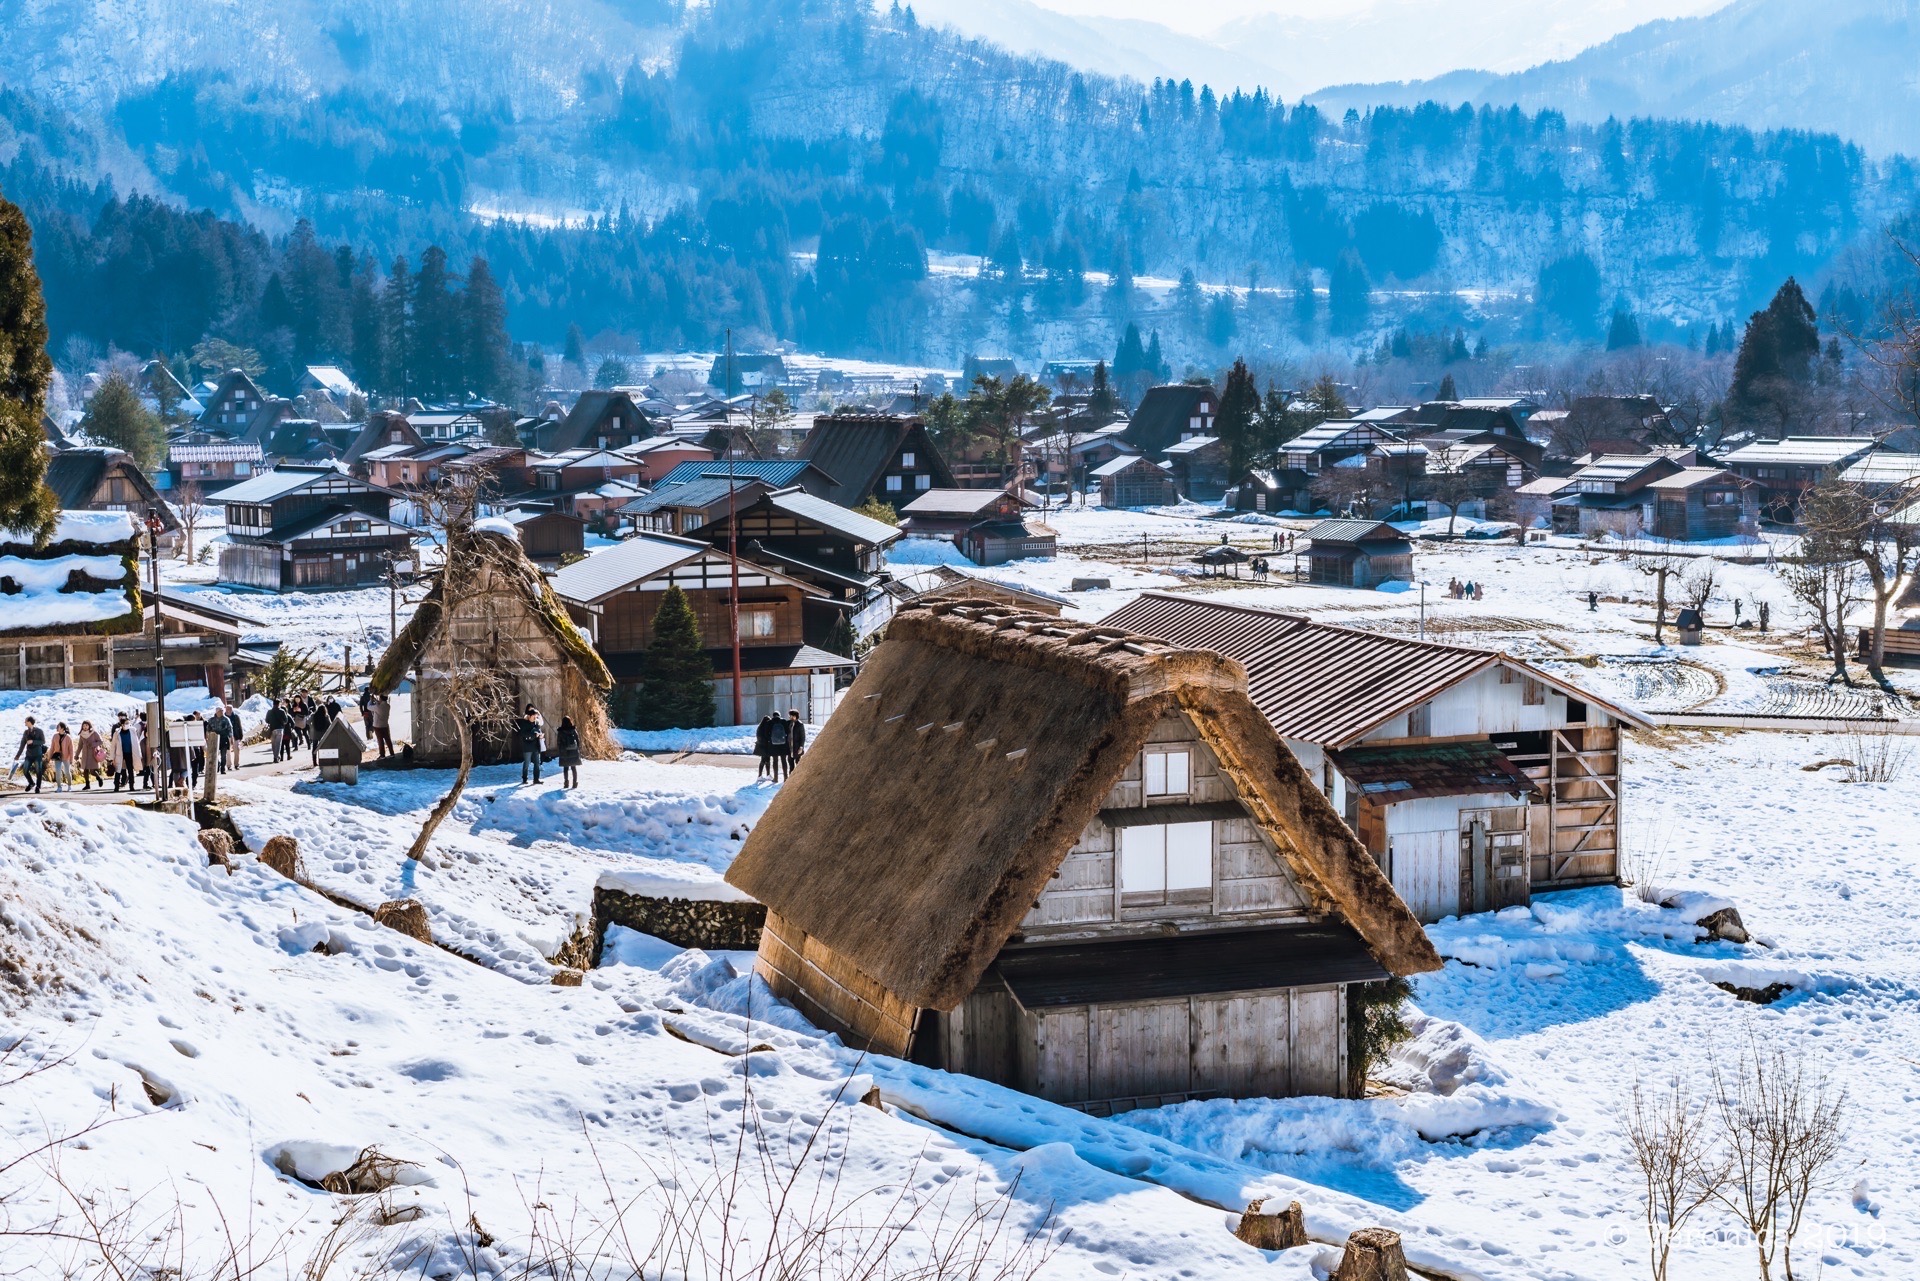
(1883, 467)
(1126, 462)
(856, 450)
(1693, 477)
(1337, 434)
(841, 520)
(1193, 445)
(1319, 683)
(278, 483)
(777, 473)
(981, 741)
(614, 569)
(1165, 412)
(590, 410)
(1803, 451)
(956, 502)
(694, 494)
(232, 451)
(1354, 531)
(378, 432)
(73, 474)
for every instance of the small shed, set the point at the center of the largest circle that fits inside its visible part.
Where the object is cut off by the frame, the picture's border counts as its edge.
(505, 620)
(1083, 866)
(1357, 553)
(1134, 481)
(1690, 626)
(339, 752)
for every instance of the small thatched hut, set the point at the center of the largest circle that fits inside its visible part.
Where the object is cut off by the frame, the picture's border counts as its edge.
(1081, 864)
(506, 619)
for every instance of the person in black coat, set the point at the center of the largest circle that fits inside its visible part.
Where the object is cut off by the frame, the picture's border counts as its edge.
(533, 742)
(777, 745)
(763, 744)
(796, 738)
(567, 741)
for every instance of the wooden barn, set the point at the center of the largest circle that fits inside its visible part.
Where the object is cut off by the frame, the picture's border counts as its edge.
(1473, 778)
(1357, 553)
(1135, 481)
(504, 619)
(1081, 866)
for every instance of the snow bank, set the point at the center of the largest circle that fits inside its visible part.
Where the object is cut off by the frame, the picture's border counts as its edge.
(723, 739)
(496, 525)
(925, 551)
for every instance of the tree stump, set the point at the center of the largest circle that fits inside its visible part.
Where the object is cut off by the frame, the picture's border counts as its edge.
(567, 978)
(1280, 1231)
(1373, 1254)
(407, 915)
(282, 854)
(219, 848)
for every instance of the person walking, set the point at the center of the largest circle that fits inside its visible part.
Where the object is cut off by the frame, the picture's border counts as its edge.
(124, 754)
(144, 749)
(33, 747)
(236, 734)
(1593, 602)
(567, 740)
(92, 754)
(796, 738)
(276, 729)
(220, 741)
(381, 711)
(317, 721)
(533, 742)
(60, 753)
(763, 744)
(777, 747)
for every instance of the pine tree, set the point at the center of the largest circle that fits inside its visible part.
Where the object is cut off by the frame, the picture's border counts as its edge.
(26, 504)
(1237, 423)
(1349, 294)
(1156, 363)
(1222, 324)
(1447, 390)
(489, 367)
(677, 691)
(116, 417)
(437, 340)
(1624, 331)
(396, 320)
(1774, 364)
(840, 635)
(364, 328)
(1101, 401)
(576, 351)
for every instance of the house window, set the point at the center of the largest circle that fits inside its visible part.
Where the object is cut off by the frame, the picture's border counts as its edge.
(894, 484)
(1420, 721)
(923, 482)
(906, 459)
(1164, 863)
(1259, 502)
(757, 624)
(1533, 693)
(1168, 773)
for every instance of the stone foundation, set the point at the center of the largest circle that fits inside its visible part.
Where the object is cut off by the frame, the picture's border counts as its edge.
(701, 923)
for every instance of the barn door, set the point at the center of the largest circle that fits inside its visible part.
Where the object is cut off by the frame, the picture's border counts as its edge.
(1424, 869)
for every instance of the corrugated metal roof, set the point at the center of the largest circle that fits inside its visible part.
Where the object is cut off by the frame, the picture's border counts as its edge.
(1410, 771)
(1194, 965)
(1825, 451)
(268, 486)
(616, 568)
(1318, 683)
(952, 502)
(1353, 531)
(866, 529)
(697, 494)
(779, 472)
(1883, 469)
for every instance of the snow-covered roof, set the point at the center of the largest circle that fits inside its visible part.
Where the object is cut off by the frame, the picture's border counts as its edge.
(1803, 451)
(102, 529)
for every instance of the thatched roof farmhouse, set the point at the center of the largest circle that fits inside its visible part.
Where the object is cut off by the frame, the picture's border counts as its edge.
(1082, 863)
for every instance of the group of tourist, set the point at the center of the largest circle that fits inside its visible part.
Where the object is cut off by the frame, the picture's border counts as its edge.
(75, 762)
(779, 743)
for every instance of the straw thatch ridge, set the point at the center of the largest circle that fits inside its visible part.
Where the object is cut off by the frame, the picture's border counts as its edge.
(508, 557)
(965, 762)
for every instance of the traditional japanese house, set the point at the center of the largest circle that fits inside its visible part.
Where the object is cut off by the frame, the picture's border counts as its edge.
(1702, 502)
(1170, 414)
(95, 478)
(62, 605)
(1135, 481)
(1357, 553)
(875, 456)
(308, 527)
(1199, 465)
(1608, 495)
(502, 618)
(1783, 470)
(839, 552)
(1272, 489)
(213, 465)
(691, 506)
(1331, 444)
(1081, 867)
(232, 405)
(549, 537)
(658, 455)
(1473, 778)
(924, 585)
(598, 420)
(989, 526)
(614, 594)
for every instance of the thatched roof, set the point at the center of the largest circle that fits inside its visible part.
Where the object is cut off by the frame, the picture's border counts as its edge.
(964, 763)
(509, 559)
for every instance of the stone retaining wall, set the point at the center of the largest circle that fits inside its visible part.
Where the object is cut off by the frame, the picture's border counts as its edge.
(702, 923)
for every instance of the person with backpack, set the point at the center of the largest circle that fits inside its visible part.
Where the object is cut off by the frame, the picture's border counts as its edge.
(777, 738)
(33, 747)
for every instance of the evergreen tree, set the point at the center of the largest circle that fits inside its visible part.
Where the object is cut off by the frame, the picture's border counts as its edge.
(396, 320)
(1222, 324)
(1624, 331)
(1774, 365)
(365, 330)
(1006, 262)
(1157, 363)
(613, 372)
(576, 350)
(1447, 390)
(1306, 303)
(489, 365)
(1101, 402)
(115, 416)
(1348, 294)
(26, 504)
(840, 635)
(677, 689)
(1237, 423)
(437, 339)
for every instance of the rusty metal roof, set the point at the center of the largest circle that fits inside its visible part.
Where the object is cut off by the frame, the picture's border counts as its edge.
(1318, 683)
(1387, 775)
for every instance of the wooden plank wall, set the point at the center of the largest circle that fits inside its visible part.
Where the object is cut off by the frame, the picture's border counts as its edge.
(1574, 838)
(831, 991)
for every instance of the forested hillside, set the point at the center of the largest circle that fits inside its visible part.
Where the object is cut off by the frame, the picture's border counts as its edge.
(685, 175)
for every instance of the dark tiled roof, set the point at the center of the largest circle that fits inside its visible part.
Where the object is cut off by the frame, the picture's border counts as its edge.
(73, 475)
(1389, 774)
(1195, 965)
(1164, 413)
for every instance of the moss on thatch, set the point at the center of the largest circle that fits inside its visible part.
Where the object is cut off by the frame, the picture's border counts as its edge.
(965, 762)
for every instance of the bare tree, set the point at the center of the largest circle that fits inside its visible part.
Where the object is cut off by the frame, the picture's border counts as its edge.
(1452, 484)
(190, 504)
(1659, 566)
(1825, 578)
(1881, 533)
(1697, 588)
(1681, 1169)
(1782, 1128)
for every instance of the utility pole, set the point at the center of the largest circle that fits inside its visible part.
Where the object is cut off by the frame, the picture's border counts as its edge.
(157, 734)
(733, 542)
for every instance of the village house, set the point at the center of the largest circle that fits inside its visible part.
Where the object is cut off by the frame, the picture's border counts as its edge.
(549, 537)
(839, 552)
(774, 473)
(305, 527)
(1883, 474)
(1170, 414)
(233, 403)
(658, 455)
(1616, 425)
(1472, 777)
(1082, 867)
(1782, 471)
(1199, 467)
(875, 456)
(505, 620)
(925, 585)
(443, 425)
(690, 506)
(1065, 459)
(1272, 489)
(1606, 496)
(1357, 553)
(66, 602)
(1702, 502)
(614, 594)
(747, 371)
(1135, 481)
(1333, 444)
(330, 382)
(95, 478)
(598, 420)
(212, 466)
(989, 526)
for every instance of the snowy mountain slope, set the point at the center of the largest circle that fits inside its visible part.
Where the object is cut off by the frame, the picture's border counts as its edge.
(1845, 67)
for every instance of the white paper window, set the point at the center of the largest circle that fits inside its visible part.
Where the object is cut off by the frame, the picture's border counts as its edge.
(923, 482)
(1168, 773)
(893, 484)
(906, 459)
(1143, 860)
(1168, 863)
